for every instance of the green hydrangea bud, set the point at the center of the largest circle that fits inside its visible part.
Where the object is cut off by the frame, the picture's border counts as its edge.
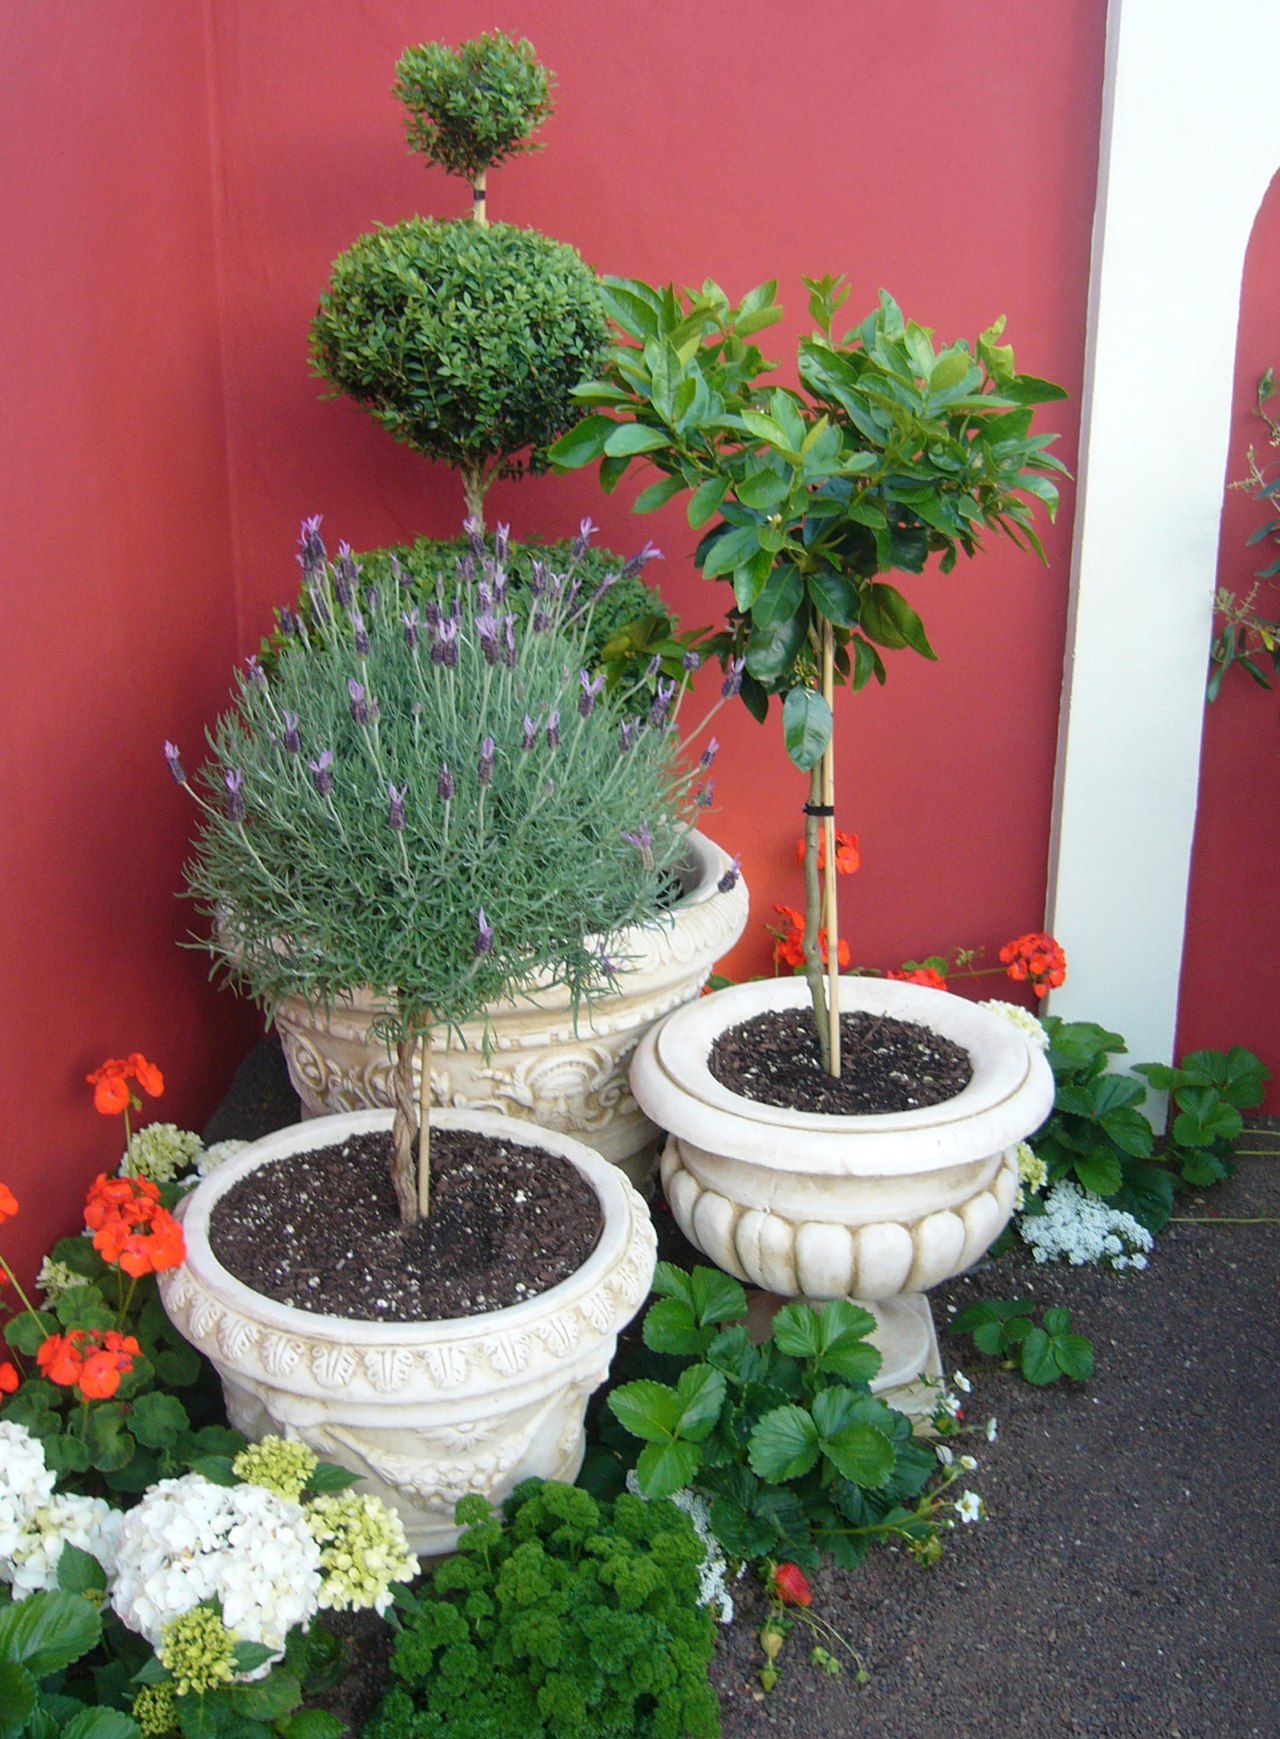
(281, 1464)
(198, 1651)
(156, 1711)
(159, 1152)
(363, 1550)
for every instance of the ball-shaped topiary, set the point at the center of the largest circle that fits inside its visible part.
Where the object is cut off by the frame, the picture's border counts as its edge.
(463, 340)
(472, 106)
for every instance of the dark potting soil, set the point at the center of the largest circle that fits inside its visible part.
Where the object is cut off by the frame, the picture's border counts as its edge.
(886, 1064)
(320, 1230)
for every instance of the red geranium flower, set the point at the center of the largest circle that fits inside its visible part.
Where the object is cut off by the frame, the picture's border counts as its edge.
(921, 975)
(1035, 958)
(788, 949)
(848, 854)
(60, 1358)
(110, 1082)
(9, 1379)
(8, 1203)
(790, 1585)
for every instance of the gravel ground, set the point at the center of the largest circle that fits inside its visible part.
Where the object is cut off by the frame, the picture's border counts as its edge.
(1125, 1584)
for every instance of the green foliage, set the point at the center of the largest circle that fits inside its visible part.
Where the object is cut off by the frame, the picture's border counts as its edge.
(1005, 1329)
(628, 626)
(1098, 1136)
(891, 451)
(569, 1617)
(165, 1416)
(1245, 633)
(785, 1438)
(479, 824)
(472, 106)
(462, 341)
(40, 1637)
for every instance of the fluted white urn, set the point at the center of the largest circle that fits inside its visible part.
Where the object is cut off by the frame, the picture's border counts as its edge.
(539, 1064)
(873, 1207)
(424, 1412)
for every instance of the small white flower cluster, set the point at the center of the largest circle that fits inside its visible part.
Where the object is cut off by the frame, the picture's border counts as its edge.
(55, 1278)
(210, 1158)
(1083, 1228)
(189, 1541)
(36, 1523)
(1022, 1018)
(714, 1567)
(1033, 1173)
(159, 1152)
(363, 1550)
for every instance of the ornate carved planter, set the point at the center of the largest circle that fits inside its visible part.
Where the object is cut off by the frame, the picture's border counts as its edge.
(425, 1412)
(539, 1067)
(878, 1208)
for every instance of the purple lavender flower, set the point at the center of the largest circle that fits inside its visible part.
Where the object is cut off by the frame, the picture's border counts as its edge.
(254, 671)
(643, 842)
(233, 778)
(578, 548)
(395, 814)
(691, 661)
(591, 692)
(553, 730)
(627, 736)
(359, 705)
(320, 771)
(602, 588)
(654, 667)
(410, 621)
(431, 613)
(634, 564)
(464, 570)
(174, 763)
(319, 605)
(371, 600)
(540, 622)
(346, 575)
(484, 773)
(475, 536)
(311, 557)
(509, 642)
(538, 578)
(445, 650)
(501, 541)
(729, 880)
(398, 574)
(487, 634)
(288, 622)
(361, 634)
(444, 782)
(608, 966)
(484, 934)
(732, 683)
(292, 741)
(709, 754)
(661, 705)
(530, 736)
(704, 794)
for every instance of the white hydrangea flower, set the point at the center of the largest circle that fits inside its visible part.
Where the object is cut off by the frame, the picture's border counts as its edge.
(159, 1152)
(210, 1158)
(714, 1568)
(190, 1541)
(87, 1522)
(55, 1278)
(26, 1485)
(1084, 1228)
(1020, 1017)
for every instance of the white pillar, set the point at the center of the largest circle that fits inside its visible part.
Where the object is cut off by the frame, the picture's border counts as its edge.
(1190, 141)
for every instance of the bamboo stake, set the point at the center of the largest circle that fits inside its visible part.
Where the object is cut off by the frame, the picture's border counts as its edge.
(424, 1126)
(478, 213)
(829, 847)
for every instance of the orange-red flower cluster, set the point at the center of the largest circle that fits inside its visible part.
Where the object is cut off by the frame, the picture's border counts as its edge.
(848, 854)
(921, 975)
(88, 1359)
(8, 1203)
(788, 949)
(130, 1227)
(9, 1378)
(110, 1083)
(1036, 958)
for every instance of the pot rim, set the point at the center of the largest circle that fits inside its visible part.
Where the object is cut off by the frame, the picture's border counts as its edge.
(620, 1208)
(674, 1086)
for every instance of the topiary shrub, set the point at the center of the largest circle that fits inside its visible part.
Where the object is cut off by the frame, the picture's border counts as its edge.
(472, 106)
(568, 1618)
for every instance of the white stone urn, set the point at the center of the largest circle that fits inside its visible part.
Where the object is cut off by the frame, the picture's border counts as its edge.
(424, 1412)
(874, 1207)
(540, 1066)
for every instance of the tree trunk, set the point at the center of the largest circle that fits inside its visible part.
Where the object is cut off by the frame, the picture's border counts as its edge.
(403, 1131)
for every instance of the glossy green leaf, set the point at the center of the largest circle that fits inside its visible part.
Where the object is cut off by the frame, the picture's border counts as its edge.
(658, 494)
(779, 598)
(731, 550)
(665, 1467)
(888, 619)
(18, 1692)
(835, 597)
(101, 1724)
(1099, 1171)
(648, 1410)
(751, 579)
(783, 1445)
(1037, 1361)
(716, 1296)
(706, 500)
(583, 444)
(46, 1632)
(625, 439)
(806, 731)
(771, 652)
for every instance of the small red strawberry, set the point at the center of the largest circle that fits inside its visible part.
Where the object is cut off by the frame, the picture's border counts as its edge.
(790, 1585)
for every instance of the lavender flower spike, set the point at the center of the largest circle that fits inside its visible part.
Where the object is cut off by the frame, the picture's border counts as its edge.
(627, 735)
(501, 543)
(732, 683)
(591, 692)
(553, 730)
(708, 755)
(633, 564)
(256, 674)
(530, 734)
(395, 814)
(445, 650)
(234, 781)
(361, 634)
(691, 662)
(729, 880)
(174, 763)
(484, 934)
(509, 642)
(444, 783)
(661, 704)
(359, 705)
(312, 552)
(643, 842)
(484, 773)
(578, 548)
(292, 741)
(320, 771)
(475, 536)
(410, 620)
(347, 575)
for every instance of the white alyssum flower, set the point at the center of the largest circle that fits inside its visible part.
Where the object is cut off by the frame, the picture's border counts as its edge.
(26, 1485)
(1022, 1018)
(159, 1152)
(1083, 1228)
(87, 1522)
(714, 1568)
(191, 1541)
(969, 1507)
(210, 1158)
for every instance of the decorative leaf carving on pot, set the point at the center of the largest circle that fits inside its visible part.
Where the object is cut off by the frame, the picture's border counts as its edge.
(598, 1309)
(202, 1324)
(333, 1367)
(280, 1354)
(508, 1353)
(560, 1334)
(388, 1368)
(236, 1335)
(448, 1366)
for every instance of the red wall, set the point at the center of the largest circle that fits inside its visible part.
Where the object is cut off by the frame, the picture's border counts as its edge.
(118, 605)
(173, 200)
(1231, 964)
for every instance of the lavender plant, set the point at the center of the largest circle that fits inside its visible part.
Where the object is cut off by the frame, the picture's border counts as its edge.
(435, 801)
